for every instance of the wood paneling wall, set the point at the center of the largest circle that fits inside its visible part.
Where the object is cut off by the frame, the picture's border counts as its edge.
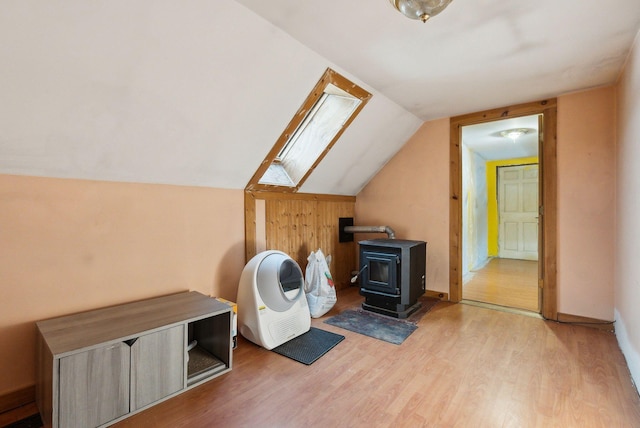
(300, 223)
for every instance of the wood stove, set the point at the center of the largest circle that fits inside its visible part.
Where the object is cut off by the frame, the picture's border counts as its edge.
(392, 275)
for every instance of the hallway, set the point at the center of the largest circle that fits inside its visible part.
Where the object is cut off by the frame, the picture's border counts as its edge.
(505, 282)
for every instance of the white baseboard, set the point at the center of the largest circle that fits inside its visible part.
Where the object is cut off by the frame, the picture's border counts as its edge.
(629, 352)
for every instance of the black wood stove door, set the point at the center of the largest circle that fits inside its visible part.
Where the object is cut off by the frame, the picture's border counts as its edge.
(381, 272)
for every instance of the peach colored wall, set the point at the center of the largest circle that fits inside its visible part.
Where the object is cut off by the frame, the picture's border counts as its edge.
(411, 195)
(586, 203)
(73, 245)
(627, 270)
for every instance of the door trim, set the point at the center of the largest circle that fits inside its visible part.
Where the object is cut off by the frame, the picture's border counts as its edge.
(547, 195)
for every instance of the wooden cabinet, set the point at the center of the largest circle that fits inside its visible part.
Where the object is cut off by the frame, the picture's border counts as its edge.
(94, 386)
(157, 366)
(98, 367)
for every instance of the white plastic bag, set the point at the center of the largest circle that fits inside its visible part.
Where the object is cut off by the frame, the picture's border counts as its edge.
(318, 284)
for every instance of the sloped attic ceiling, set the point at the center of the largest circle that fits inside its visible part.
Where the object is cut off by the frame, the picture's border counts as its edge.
(186, 93)
(197, 92)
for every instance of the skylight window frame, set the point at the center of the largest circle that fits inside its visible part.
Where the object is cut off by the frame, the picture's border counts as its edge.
(342, 87)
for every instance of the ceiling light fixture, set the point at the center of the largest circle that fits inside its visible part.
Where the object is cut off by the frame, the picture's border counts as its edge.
(420, 9)
(514, 134)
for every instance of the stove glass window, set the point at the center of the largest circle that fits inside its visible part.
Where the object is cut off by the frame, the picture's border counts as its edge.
(379, 271)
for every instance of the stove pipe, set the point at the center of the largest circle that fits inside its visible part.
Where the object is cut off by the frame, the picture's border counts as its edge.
(371, 229)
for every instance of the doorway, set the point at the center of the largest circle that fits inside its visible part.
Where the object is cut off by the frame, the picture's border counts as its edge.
(546, 110)
(500, 212)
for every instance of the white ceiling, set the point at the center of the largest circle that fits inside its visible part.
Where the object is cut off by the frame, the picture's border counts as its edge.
(485, 138)
(196, 93)
(475, 55)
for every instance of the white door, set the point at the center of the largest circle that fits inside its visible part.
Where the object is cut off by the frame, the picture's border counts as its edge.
(518, 212)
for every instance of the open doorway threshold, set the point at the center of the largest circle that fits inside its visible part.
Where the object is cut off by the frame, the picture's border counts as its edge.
(502, 308)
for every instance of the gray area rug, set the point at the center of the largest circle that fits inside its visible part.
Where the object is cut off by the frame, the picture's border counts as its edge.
(373, 325)
(379, 326)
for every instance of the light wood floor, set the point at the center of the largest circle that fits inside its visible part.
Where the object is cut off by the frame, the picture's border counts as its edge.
(505, 282)
(465, 366)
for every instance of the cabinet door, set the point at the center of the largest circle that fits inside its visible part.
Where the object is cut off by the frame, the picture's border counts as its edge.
(157, 366)
(94, 386)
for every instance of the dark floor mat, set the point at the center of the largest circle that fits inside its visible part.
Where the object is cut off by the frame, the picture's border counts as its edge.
(310, 346)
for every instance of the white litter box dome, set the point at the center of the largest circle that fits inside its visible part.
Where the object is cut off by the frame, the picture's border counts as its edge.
(272, 306)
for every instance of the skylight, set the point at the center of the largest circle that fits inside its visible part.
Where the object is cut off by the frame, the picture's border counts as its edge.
(326, 113)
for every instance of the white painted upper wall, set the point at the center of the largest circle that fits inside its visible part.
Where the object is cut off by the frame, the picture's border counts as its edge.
(186, 93)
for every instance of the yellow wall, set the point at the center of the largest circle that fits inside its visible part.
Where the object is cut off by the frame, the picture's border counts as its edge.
(492, 198)
(73, 245)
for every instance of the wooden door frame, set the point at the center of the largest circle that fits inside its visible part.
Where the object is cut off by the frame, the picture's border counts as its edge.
(547, 195)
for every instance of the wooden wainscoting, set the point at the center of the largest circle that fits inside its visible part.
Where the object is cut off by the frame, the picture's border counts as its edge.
(17, 405)
(17, 398)
(297, 224)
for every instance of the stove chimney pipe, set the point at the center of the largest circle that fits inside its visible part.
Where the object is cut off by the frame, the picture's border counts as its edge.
(371, 229)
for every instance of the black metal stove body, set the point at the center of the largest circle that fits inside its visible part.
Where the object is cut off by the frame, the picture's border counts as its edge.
(392, 275)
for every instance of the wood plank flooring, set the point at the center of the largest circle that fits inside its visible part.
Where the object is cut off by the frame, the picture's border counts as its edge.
(505, 282)
(465, 366)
